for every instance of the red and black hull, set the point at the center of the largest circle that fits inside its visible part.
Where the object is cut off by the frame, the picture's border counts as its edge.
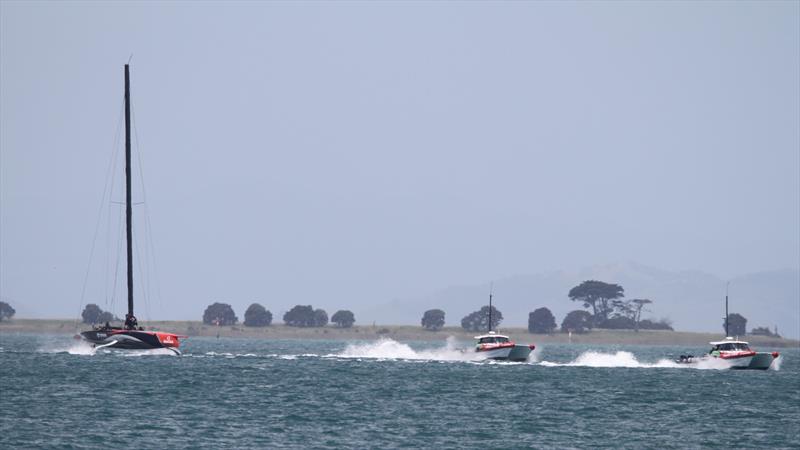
(132, 339)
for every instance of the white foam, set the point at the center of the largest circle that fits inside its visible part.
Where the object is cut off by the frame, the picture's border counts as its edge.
(776, 363)
(81, 348)
(387, 348)
(76, 348)
(84, 348)
(138, 353)
(536, 355)
(627, 359)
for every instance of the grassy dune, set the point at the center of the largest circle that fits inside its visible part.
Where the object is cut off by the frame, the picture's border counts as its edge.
(401, 333)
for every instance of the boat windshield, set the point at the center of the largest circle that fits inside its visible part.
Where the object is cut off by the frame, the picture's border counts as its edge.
(493, 340)
(733, 346)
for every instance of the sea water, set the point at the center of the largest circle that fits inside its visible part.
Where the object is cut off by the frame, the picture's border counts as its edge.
(240, 393)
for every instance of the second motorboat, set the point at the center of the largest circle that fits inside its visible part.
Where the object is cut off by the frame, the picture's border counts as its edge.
(500, 347)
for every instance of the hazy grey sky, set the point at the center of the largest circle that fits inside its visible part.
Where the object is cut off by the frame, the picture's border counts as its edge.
(345, 154)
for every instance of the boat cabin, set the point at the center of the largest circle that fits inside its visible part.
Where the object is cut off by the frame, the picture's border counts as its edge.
(729, 345)
(492, 338)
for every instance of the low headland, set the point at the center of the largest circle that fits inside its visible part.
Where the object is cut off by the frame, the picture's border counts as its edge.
(400, 333)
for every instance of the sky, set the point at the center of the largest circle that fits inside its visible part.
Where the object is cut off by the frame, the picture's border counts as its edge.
(346, 154)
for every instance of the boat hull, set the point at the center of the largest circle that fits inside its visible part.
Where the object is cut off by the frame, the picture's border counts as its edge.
(131, 339)
(500, 354)
(518, 353)
(761, 361)
(739, 362)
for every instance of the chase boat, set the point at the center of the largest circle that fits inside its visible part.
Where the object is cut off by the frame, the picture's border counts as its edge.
(499, 347)
(736, 353)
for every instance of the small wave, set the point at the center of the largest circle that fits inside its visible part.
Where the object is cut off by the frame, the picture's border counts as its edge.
(628, 360)
(776, 364)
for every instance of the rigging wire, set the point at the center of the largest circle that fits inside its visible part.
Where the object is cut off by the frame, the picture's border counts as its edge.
(119, 256)
(148, 229)
(107, 267)
(100, 212)
(142, 283)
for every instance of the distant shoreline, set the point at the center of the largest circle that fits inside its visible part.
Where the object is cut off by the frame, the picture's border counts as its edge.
(400, 333)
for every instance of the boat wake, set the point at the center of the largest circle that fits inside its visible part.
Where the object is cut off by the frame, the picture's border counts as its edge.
(389, 349)
(628, 360)
(84, 348)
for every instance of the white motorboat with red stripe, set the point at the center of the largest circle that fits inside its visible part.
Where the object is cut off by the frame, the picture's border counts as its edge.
(736, 353)
(500, 347)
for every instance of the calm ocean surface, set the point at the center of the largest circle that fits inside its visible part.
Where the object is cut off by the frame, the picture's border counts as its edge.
(237, 393)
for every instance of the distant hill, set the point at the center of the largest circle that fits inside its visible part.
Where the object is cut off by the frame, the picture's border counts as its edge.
(691, 300)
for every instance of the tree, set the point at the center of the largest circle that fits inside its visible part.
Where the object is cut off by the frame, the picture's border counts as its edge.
(577, 321)
(320, 318)
(299, 316)
(343, 318)
(663, 324)
(541, 321)
(106, 316)
(6, 311)
(91, 314)
(257, 316)
(220, 314)
(764, 331)
(627, 314)
(623, 308)
(638, 305)
(737, 325)
(597, 294)
(433, 319)
(479, 320)
(618, 323)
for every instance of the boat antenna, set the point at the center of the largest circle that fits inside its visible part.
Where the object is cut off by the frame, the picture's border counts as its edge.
(726, 308)
(491, 286)
(130, 320)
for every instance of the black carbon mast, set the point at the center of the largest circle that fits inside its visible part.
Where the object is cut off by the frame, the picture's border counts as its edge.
(130, 319)
(726, 310)
(490, 307)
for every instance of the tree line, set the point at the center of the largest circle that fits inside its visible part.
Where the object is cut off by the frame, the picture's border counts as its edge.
(222, 314)
(609, 310)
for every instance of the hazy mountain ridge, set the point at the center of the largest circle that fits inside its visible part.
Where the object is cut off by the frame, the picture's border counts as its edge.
(692, 300)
